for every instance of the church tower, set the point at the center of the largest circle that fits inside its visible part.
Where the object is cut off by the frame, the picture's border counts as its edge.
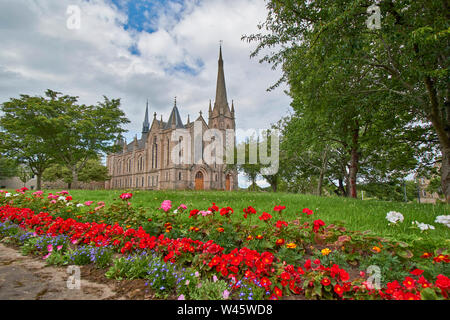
(221, 117)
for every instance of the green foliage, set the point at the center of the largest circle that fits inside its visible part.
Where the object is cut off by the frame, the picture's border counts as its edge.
(39, 130)
(375, 97)
(209, 290)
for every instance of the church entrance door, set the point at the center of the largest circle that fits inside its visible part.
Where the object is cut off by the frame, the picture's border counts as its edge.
(228, 182)
(199, 181)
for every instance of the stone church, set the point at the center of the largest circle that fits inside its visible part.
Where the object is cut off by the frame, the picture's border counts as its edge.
(147, 163)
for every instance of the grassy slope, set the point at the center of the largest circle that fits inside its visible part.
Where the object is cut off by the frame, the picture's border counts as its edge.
(353, 214)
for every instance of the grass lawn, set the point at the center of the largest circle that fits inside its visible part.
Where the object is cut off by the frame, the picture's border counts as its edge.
(353, 214)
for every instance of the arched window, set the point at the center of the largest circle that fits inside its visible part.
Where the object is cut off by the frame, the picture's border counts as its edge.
(179, 175)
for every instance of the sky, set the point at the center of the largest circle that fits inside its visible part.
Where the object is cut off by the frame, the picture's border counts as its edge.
(137, 50)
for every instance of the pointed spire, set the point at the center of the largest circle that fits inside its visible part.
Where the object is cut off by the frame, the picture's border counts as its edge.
(188, 121)
(174, 118)
(221, 91)
(146, 124)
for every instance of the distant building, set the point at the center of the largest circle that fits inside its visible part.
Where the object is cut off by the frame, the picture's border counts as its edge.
(147, 163)
(16, 183)
(424, 195)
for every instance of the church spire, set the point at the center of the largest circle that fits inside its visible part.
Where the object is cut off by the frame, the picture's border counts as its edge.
(221, 92)
(146, 124)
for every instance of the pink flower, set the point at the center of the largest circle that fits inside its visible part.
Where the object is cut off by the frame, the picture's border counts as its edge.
(181, 297)
(38, 193)
(166, 205)
(49, 248)
(205, 213)
(59, 247)
(126, 196)
(225, 294)
(182, 206)
(63, 192)
(88, 203)
(53, 201)
(46, 256)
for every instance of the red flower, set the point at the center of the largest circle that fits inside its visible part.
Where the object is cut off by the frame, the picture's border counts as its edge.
(68, 198)
(416, 272)
(307, 264)
(278, 291)
(338, 289)
(279, 242)
(227, 211)
(265, 282)
(279, 208)
(213, 208)
(281, 224)
(307, 211)
(409, 283)
(249, 210)
(343, 275)
(193, 213)
(317, 224)
(325, 282)
(265, 216)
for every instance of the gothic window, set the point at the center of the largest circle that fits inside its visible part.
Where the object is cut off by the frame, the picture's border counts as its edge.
(179, 175)
(168, 151)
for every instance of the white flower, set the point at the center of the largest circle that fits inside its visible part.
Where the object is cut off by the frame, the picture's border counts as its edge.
(61, 198)
(80, 205)
(443, 219)
(394, 217)
(423, 226)
(68, 204)
(7, 195)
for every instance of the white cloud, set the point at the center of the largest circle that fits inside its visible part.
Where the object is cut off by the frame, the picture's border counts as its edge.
(39, 52)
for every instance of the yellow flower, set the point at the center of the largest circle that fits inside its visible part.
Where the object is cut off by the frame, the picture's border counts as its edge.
(325, 251)
(291, 245)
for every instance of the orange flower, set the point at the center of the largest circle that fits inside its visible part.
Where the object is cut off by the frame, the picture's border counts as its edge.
(325, 251)
(376, 249)
(220, 229)
(279, 242)
(291, 245)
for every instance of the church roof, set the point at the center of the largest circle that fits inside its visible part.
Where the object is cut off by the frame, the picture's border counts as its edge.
(174, 118)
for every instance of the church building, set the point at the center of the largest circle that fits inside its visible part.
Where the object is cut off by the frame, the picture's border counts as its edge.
(147, 163)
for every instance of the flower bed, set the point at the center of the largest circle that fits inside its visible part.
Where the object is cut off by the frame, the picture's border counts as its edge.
(260, 253)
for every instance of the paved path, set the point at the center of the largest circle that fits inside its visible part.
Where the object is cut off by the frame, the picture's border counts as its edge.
(28, 278)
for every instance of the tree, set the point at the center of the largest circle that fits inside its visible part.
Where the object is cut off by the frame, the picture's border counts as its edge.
(70, 133)
(93, 170)
(334, 63)
(8, 167)
(25, 148)
(24, 174)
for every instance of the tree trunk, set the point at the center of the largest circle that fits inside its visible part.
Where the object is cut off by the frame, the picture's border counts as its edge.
(445, 173)
(440, 119)
(322, 171)
(274, 186)
(38, 181)
(74, 183)
(354, 162)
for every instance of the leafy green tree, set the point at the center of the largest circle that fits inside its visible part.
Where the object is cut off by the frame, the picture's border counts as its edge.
(25, 148)
(93, 170)
(336, 65)
(68, 132)
(8, 167)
